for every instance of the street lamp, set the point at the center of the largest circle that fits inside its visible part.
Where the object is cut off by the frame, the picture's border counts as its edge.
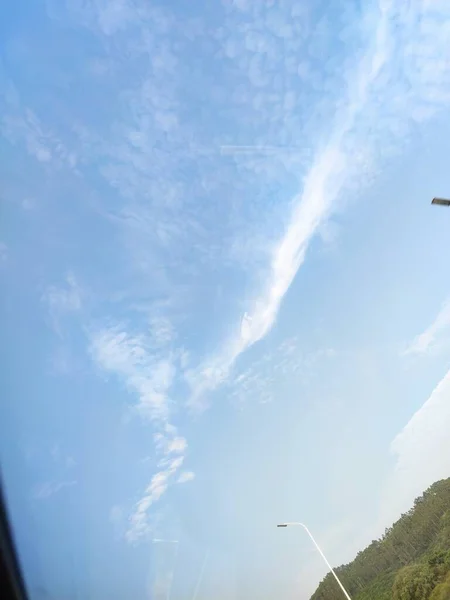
(321, 554)
(441, 201)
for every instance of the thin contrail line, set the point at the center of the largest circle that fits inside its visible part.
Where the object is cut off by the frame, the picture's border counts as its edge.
(200, 577)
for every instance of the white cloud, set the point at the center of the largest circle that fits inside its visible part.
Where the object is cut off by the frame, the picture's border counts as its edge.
(186, 476)
(261, 381)
(21, 126)
(345, 160)
(142, 172)
(422, 452)
(428, 340)
(321, 188)
(149, 375)
(138, 522)
(29, 131)
(177, 445)
(169, 465)
(168, 442)
(49, 488)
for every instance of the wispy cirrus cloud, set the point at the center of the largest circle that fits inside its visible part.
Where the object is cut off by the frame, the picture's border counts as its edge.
(28, 130)
(327, 176)
(138, 522)
(147, 369)
(21, 126)
(430, 339)
(145, 373)
(169, 465)
(151, 140)
(352, 152)
(261, 381)
(175, 231)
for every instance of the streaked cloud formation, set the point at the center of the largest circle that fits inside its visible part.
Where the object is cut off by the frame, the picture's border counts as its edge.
(363, 130)
(213, 217)
(345, 157)
(149, 376)
(138, 526)
(140, 363)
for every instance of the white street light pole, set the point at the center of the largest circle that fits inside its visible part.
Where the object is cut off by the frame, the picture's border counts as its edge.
(321, 554)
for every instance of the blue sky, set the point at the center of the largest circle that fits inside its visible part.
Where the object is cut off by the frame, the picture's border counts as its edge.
(226, 297)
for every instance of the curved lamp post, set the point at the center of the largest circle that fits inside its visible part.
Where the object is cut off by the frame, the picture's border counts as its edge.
(321, 554)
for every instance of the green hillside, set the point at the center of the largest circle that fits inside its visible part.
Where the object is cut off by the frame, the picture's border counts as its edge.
(410, 562)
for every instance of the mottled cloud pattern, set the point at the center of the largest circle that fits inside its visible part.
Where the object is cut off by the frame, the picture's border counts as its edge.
(207, 151)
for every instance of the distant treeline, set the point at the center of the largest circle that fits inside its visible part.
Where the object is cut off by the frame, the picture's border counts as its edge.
(410, 562)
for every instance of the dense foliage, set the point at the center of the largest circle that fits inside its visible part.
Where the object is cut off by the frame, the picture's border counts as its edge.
(410, 562)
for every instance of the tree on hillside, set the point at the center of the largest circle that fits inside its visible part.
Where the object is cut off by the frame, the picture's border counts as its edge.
(415, 582)
(442, 591)
(409, 562)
